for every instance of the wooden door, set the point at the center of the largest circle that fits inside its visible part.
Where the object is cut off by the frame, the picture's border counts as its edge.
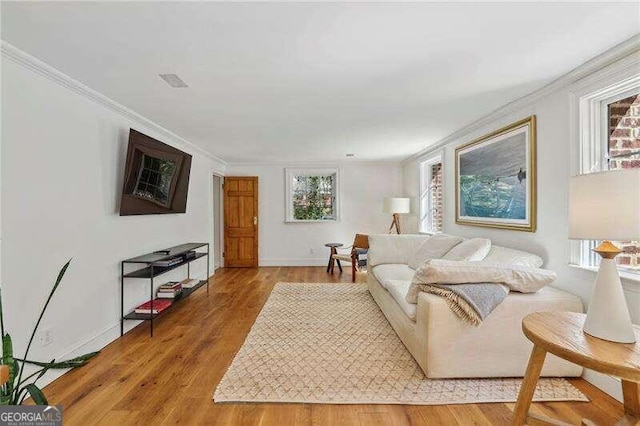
(240, 222)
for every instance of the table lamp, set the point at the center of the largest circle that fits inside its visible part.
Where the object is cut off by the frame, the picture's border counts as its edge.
(396, 206)
(606, 206)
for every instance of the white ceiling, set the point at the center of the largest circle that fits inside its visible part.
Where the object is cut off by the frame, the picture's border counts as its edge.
(300, 82)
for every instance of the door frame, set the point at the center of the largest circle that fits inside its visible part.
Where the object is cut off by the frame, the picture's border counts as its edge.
(218, 234)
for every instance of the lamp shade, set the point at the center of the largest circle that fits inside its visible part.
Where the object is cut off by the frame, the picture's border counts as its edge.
(605, 206)
(396, 205)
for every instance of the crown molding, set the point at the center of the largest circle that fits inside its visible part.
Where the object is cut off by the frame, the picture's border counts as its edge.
(22, 58)
(616, 53)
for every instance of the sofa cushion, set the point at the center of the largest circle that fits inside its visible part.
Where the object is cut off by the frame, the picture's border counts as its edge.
(499, 254)
(398, 290)
(392, 271)
(433, 248)
(390, 248)
(470, 250)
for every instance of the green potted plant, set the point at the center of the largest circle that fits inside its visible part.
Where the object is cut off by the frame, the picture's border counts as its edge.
(16, 390)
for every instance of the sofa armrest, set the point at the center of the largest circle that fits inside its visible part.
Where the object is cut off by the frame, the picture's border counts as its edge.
(496, 348)
(393, 248)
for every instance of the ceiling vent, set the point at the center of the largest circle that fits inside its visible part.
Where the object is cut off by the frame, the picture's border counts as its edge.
(174, 81)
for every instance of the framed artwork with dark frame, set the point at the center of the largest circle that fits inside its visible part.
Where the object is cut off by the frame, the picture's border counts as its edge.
(496, 178)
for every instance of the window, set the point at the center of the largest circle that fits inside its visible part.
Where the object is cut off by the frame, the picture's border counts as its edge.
(154, 179)
(312, 195)
(623, 148)
(610, 140)
(431, 212)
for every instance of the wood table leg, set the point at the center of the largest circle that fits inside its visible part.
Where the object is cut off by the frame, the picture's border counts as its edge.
(536, 360)
(631, 398)
(332, 261)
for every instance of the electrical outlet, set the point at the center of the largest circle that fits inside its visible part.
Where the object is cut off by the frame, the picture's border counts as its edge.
(46, 336)
(311, 250)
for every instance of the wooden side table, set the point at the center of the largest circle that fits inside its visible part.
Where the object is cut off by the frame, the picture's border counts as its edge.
(334, 250)
(561, 334)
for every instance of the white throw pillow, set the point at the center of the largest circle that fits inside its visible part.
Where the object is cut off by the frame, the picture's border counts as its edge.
(517, 278)
(433, 248)
(499, 254)
(471, 250)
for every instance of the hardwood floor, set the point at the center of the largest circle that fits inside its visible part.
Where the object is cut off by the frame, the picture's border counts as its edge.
(170, 378)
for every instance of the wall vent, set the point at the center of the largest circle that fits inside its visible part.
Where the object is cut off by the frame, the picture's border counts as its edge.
(174, 81)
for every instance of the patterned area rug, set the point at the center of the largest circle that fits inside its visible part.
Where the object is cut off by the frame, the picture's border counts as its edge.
(330, 343)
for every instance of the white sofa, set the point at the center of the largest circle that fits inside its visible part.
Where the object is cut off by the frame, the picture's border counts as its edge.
(444, 345)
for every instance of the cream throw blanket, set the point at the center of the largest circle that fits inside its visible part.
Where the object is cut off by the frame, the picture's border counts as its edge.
(474, 289)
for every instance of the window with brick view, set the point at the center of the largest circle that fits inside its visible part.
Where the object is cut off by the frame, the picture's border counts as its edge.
(436, 197)
(431, 195)
(623, 147)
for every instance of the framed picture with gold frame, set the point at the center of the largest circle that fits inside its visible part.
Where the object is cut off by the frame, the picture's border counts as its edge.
(496, 179)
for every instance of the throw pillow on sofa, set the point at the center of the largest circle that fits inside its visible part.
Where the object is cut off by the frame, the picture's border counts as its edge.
(499, 254)
(471, 250)
(518, 278)
(433, 248)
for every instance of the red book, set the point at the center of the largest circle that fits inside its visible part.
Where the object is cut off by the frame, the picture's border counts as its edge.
(159, 305)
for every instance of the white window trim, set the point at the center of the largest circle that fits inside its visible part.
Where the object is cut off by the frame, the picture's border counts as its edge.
(424, 200)
(290, 172)
(588, 131)
(592, 109)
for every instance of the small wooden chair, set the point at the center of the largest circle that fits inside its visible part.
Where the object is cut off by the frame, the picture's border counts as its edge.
(4, 374)
(360, 246)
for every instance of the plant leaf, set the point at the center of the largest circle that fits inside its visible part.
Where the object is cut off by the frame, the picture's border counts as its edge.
(5, 400)
(1, 316)
(44, 308)
(8, 360)
(36, 394)
(69, 363)
(7, 350)
(18, 395)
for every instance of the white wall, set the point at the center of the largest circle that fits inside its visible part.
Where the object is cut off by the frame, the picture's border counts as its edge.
(363, 186)
(63, 152)
(556, 153)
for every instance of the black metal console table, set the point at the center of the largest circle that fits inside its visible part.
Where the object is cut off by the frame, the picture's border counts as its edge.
(153, 270)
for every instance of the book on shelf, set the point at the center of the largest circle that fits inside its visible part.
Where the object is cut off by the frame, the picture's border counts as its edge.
(170, 286)
(168, 262)
(189, 283)
(159, 305)
(189, 255)
(167, 295)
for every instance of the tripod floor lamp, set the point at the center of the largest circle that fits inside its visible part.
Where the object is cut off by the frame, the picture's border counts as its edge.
(396, 206)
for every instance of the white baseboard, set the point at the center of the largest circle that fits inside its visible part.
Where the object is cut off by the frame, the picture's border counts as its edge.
(96, 342)
(294, 262)
(607, 384)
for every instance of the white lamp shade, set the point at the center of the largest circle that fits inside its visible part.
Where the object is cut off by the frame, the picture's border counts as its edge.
(396, 205)
(605, 206)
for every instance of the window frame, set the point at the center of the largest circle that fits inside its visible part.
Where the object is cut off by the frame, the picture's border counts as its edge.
(425, 224)
(591, 124)
(291, 172)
